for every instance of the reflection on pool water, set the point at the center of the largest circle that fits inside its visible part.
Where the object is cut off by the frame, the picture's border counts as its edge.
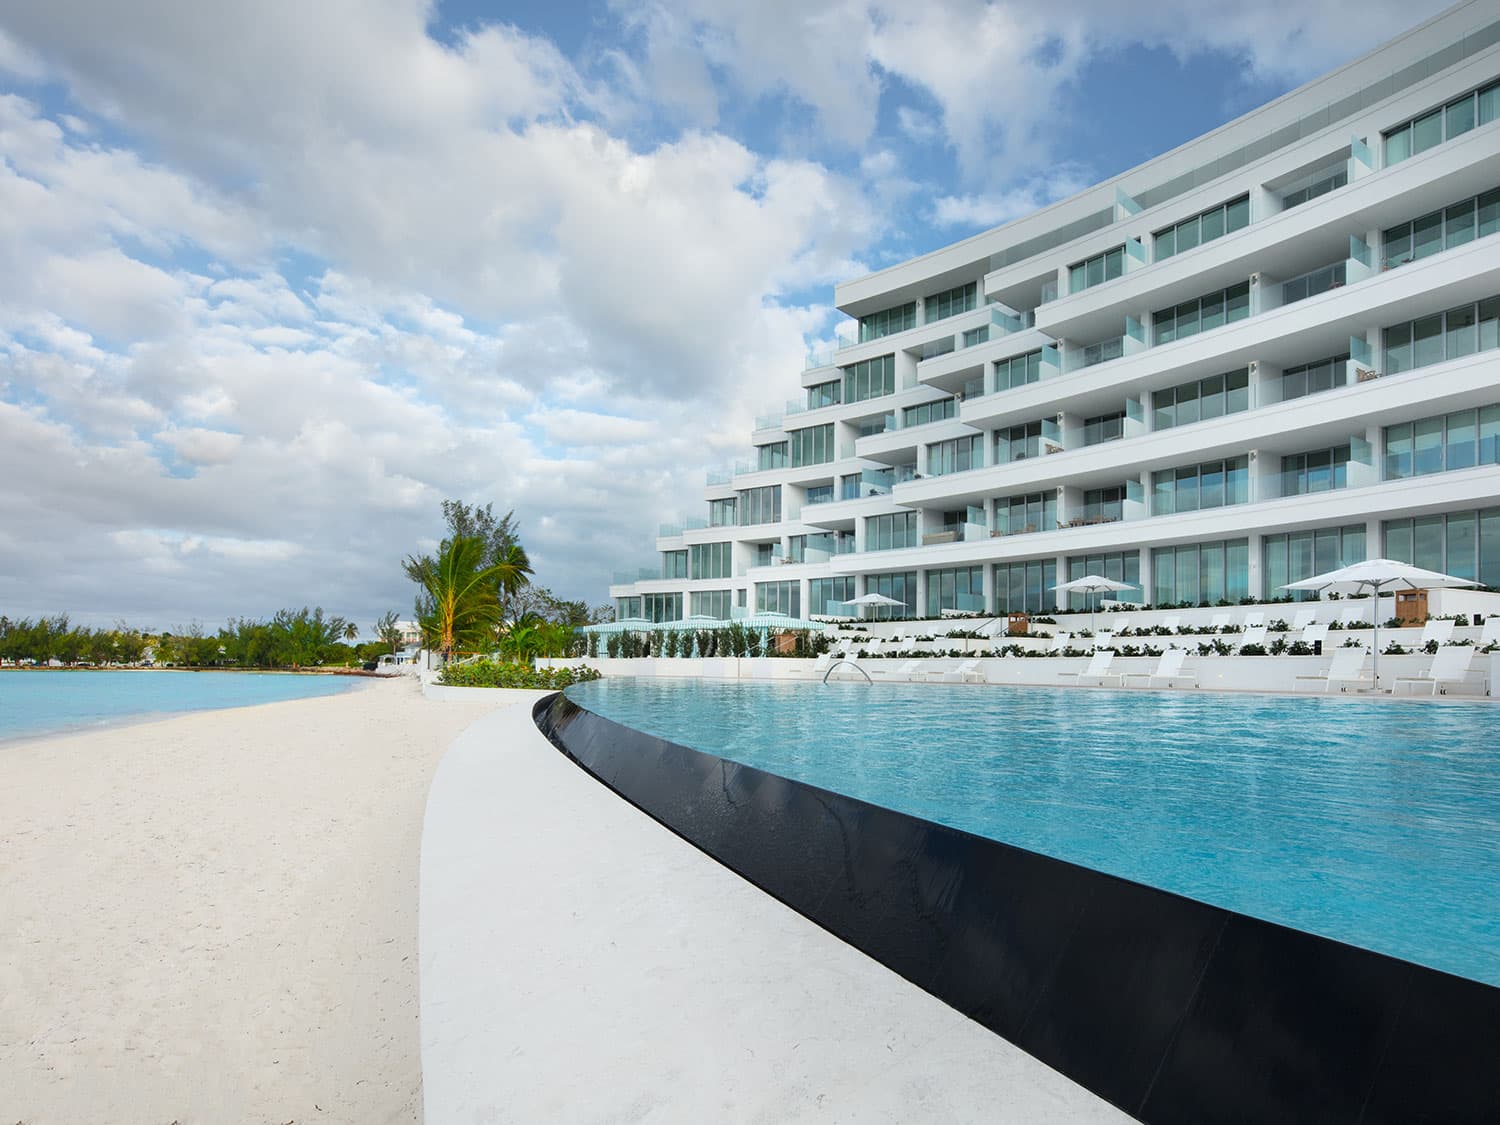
(1374, 822)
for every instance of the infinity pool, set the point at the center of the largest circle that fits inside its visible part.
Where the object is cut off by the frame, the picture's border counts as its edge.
(1374, 822)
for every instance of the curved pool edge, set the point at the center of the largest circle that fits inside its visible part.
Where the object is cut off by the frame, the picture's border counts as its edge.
(1169, 1008)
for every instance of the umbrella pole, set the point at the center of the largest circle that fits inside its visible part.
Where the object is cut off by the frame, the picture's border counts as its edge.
(1375, 621)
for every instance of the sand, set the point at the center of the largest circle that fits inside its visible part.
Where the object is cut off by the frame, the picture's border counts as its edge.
(213, 918)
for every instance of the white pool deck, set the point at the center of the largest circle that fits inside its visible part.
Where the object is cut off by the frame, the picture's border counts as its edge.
(580, 963)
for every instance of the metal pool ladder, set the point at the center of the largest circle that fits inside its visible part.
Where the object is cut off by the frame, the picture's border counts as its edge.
(851, 664)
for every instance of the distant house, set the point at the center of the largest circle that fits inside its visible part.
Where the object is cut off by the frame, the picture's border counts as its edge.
(411, 634)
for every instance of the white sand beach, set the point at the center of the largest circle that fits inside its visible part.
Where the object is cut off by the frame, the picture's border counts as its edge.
(212, 918)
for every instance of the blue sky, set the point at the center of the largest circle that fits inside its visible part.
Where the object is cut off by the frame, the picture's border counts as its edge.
(276, 279)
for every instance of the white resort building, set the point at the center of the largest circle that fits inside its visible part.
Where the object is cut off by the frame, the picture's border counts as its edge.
(1271, 351)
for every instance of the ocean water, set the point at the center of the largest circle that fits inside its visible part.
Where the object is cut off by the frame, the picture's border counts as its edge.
(37, 702)
(1373, 822)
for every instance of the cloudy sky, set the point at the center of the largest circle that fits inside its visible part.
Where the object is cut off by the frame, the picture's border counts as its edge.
(277, 277)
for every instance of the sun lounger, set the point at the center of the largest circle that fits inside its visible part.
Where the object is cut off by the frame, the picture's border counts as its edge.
(967, 672)
(1253, 619)
(1171, 623)
(1305, 617)
(1316, 633)
(1219, 622)
(1490, 634)
(1449, 666)
(907, 671)
(1098, 669)
(1060, 641)
(1168, 668)
(1436, 630)
(1346, 668)
(1253, 635)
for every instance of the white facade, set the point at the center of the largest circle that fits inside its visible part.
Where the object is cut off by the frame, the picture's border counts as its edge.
(1270, 351)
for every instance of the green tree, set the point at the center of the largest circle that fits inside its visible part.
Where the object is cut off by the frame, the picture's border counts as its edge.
(388, 630)
(501, 553)
(458, 607)
(351, 632)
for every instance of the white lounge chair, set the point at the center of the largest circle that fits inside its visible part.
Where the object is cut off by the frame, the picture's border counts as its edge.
(1490, 634)
(1219, 622)
(1098, 669)
(1060, 641)
(1253, 635)
(1436, 630)
(1253, 619)
(1449, 666)
(1346, 667)
(1171, 623)
(1169, 668)
(1316, 633)
(1304, 617)
(967, 672)
(907, 671)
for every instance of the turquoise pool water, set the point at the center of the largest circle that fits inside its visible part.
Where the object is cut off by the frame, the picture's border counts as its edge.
(1372, 822)
(46, 702)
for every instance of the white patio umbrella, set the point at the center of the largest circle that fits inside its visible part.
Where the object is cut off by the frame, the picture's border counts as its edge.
(873, 599)
(1091, 584)
(1374, 575)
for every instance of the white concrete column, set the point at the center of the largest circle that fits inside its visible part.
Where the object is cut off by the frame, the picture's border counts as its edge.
(1256, 573)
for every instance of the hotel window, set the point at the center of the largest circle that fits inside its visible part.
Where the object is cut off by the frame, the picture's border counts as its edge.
(1026, 587)
(1192, 488)
(721, 513)
(1311, 378)
(938, 411)
(1105, 427)
(975, 336)
(825, 597)
(1301, 554)
(1018, 371)
(1442, 336)
(812, 446)
(711, 603)
(889, 533)
(760, 505)
(627, 609)
(901, 587)
(1016, 443)
(1443, 443)
(870, 379)
(1321, 470)
(1311, 284)
(1201, 399)
(1477, 107)
(711, 560)
(956, 456)
(940, 306)
(1022, 515)
(1104, 505)
(1441, 230)
(674, 564)
(958, 588)
(820, 494)
(1198, 573)
(887, 322)
(771, 456)
(779, 597)
(765, 553)
(661, 607)
(1318, 183)
(796, 548)
(825, 394)
(1103, 351)
(1178, 322)
(1463, 544)
(1214, 223)
(1121, 566)
(1096, 270)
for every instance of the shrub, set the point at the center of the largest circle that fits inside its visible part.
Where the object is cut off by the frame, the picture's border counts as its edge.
(510, 674)
(1252, 650)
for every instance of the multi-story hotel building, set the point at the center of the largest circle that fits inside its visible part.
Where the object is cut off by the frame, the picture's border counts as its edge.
(1271, 351)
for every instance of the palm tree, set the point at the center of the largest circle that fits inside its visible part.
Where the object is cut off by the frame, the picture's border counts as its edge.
(351, 632)
(512, 571)
(461, 606)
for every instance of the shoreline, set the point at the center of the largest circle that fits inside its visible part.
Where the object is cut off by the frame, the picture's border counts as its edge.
(212, 915)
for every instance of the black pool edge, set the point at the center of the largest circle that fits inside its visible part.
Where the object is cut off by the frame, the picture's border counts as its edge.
(1171, 1009)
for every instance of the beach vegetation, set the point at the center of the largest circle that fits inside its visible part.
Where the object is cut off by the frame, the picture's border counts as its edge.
(458, 609)
(513, 674)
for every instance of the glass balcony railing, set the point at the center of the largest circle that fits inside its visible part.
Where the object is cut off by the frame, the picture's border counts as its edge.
(668, 530)
(1311, 284)
(1101, 352)
(717, 476)
(768, 421)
